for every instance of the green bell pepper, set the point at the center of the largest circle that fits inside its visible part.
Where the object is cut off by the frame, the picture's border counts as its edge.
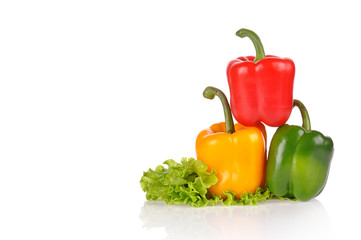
(299, 160)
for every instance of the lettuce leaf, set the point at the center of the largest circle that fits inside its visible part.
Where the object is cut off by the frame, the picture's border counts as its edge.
(188, 182)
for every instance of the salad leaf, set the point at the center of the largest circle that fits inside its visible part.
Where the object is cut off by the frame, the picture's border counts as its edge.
(261, 195)
(188, 182)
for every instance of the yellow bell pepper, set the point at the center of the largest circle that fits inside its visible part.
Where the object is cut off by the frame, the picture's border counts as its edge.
(236, 152)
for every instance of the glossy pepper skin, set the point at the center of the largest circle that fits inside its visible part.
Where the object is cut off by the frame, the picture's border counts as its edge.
(299, 160)
(236, 152)
(261, 87)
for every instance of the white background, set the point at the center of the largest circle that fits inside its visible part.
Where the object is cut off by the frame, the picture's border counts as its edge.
(92, 93)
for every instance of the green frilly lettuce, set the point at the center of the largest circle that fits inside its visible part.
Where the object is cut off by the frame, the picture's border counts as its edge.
(188, 182)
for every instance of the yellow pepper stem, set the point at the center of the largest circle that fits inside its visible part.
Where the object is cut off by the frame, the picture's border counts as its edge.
(210, 93)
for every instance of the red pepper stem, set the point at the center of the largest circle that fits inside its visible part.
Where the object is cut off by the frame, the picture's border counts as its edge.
(209, 93)
(255, 40)
(306, 124)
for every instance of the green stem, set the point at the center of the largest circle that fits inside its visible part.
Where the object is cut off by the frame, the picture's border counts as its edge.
(255, 40)
(306, 123)
(209, 93)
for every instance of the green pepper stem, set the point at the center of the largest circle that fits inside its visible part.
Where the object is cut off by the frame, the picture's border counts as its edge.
(306, 123)
(255, 40)
(209, 93)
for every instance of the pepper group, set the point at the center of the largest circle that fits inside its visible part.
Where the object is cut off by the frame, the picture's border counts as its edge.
(261, 93)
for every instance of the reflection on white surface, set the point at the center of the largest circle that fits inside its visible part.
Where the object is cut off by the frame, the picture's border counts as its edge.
(274, 219)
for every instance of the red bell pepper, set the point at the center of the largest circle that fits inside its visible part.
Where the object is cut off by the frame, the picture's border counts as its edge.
(261, 87)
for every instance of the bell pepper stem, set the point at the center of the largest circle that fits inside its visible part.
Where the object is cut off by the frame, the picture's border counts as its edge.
(255, 40)
(306, 122)
(210, 93)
